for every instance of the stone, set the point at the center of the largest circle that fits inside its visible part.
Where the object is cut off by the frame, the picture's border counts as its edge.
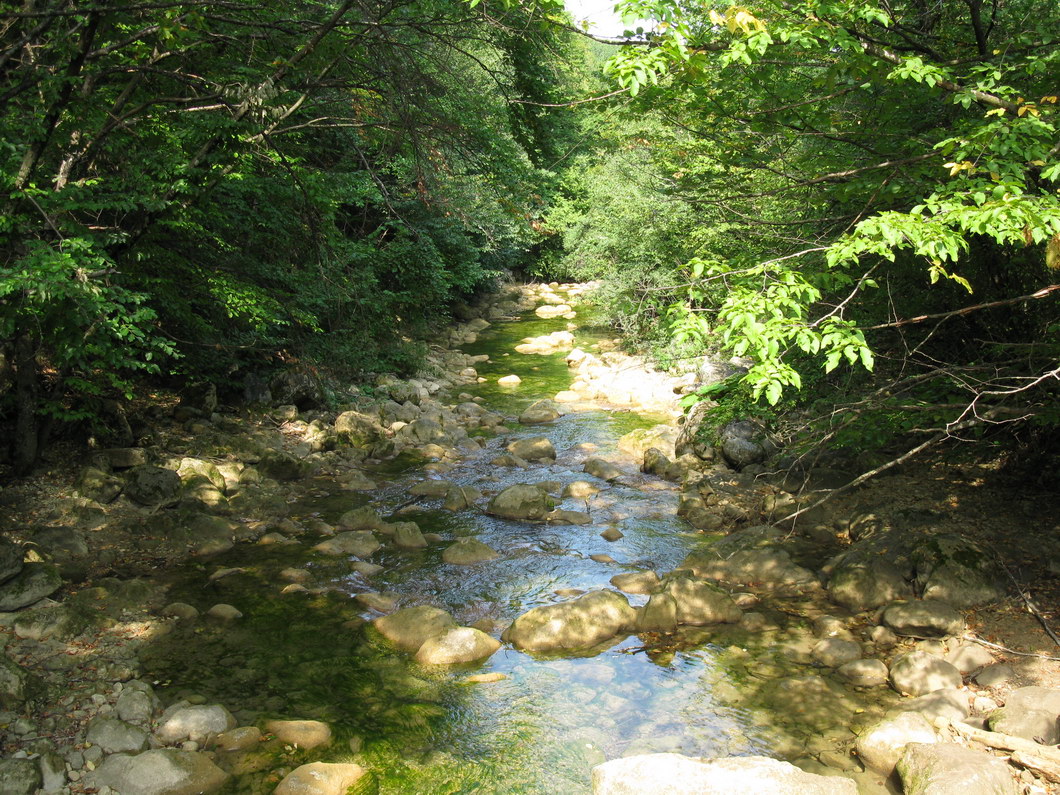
(658, 615)
(916, 673)
(223, 612)
(457, 498)
(923, 619)
(359, 430)
(52, 771)
(242, 738)
(834, 652)
(537, 448)
(880, 746)
(674, 774)
(303, 734)
(163, 771)
(864, 673)
(459, 645)
(381, 603)
(282, 466)
(153, 486)
(361, 543)
(994, 675)
(561, 516)
(407, 535)
(1037, 725)
(862, 583)
(17, 685)
(956, 570)
(320, 778)
(742, 443)
(115, 736)
(701, 603)
(410, 628)
(95, 484)
(1034, 697)
(539, 413)
(180, 610)
(580, 489)
(969, 657)
(636, 582)
(435, 489)
(191, 467)
(768, 569)
(196, 723)
(521, 501)
(509, 380)
(19, 777)
(52, 621)
(11, 558)
(583, 622)
(950, 769)
(637, 443)
(612, 534)
(599, 468)
(34, 582)
(364, 518)
(946, 703)
(468, 551)
(137, 706)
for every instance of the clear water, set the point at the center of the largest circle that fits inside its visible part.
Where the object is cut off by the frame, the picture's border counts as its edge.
(542, 728)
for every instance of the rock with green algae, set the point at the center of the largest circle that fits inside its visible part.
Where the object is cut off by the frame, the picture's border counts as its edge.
(34, 582)
(583, 622)
(163, 771)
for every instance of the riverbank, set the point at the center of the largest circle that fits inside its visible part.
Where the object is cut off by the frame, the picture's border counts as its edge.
(237, 571)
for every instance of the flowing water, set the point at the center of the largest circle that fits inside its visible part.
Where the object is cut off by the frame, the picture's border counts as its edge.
(542, 727)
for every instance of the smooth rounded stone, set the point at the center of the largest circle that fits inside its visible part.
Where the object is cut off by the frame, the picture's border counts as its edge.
(115, 736)
(658, 615)
(468, 551)
(181, 610)
(834, 652)
(674, 774)
(1034, 697)
(32, 583)
(861, 584)
(509, 380)
(831, 627)
(460, 497)
(137, 706)
(292, 574)
(636, 582)
(612, 534)
(19, 777)
(969, 657)
(950, 769)
(566, 396)
(195, 467)
(566, 592)
(320, 778)
(949, 703)
(303, 734)
(460, 645)
(701, 603)
(602, 558)
(196, 723)
(485, 679)
(407, 535)
(294, 587)
(883, 637)
(540, 412)
(223, 612)
(599, 468)
(11, 557)
(242, 738)
(923, 619)
(270, 539)
(163, 771)
(586, 621)
(52, 621)
(360, 543)
(98, 485)
(435, 489)
(864, 673)
(994, 675)
(537, 448)
(381, 603)
(521, 501)
(1037, 725)
(955, 569)
(561, 516)
(580, 489)
(153, 486)
(17, 685)
(916, 673)
(410, 628)
(365, 569)
(363, 518)
(880, 746)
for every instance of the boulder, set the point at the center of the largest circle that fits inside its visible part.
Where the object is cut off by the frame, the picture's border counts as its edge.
(410, 628)
(956, 570)
(11, 556)
(925, 618)
(862, 582)
(320, 778)
(636, 443)
(521, 501)
(674, 774)
(586, 621)
(864, 673)
(948, 703)
(636, 582)
(1037, 725)
(950, 769)
(658, 615)
(540, 412)
(153, 486)
(599, 468)
(881, 745)
(969, 657)
(191, 467)
(834, 652)
(115, 736)
(34, 582)
(303, 734)
(537, 448)
(580, 489)
(459, 645)
(282, 466)
(689, 440)
(164, 771)
(19, 777)
(17, 685)
(95, 484)
(767, 568)
(562, 516)
(364, 518)
(360, 543)
(509, 380)
(359, 430)
(197, 723)
(743, 443)
(917, 672)
(701, 603)
(457, 498)
(468, 551)
(51, 621)
(407, 535)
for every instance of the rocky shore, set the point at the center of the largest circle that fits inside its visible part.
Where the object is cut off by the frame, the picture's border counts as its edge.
(867, 606)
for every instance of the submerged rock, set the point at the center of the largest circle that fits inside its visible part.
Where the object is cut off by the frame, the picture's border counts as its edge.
(321, 778)
(671, 774)
(586, 621)
(305, 734)
(468, 551)
(459, 645)
(410, 628)
(701, 603)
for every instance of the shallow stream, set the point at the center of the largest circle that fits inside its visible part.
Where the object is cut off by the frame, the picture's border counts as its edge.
(539, 729)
